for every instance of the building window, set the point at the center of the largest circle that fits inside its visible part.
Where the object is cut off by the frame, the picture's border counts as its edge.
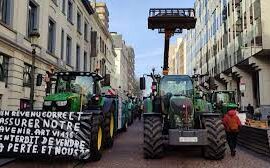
(27, 75)
(5, 11)
(64, 6)
(251, 14)
(68, 50)
(32, 17)
(85, 61)
(4, 68)
(245, 20)
(62, 43)
(78, 55)
(86, 31)
(93, 44)
(24, 105)
(79, 22)
(70, 11)
(100, 44)
(229, 34)
(1, 102)
(51, 36)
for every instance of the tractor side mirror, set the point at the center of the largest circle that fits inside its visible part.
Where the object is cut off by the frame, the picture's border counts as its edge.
(142, 83)
(107, 80)
(39, 80)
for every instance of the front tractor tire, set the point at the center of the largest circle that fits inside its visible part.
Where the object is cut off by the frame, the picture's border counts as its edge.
(109, 129)
(216, 137)
(153, 142)
(96, 143)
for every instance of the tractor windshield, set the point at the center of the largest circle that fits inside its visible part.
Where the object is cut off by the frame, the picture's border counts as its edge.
(176, 85)
(75, 84)
(224, 97)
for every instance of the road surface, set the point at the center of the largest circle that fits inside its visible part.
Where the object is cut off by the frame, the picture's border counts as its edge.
(127, 153)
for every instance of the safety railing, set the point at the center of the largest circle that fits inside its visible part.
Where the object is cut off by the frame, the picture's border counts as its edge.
(179, 12)
(255, 139)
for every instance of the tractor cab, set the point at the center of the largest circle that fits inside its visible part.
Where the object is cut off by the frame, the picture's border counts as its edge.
(223, 101)
(176, 92)
(71, 91)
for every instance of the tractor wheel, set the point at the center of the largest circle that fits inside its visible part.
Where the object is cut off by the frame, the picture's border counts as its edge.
(109, 129)
(96, 143)
(216, 136)
(153, 142)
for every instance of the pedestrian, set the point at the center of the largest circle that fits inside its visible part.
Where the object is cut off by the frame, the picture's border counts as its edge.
(250, 110)
(257, 113)
(268, 119)
(232, 126)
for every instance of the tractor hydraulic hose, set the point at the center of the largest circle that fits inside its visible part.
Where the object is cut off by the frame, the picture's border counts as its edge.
(166, 56)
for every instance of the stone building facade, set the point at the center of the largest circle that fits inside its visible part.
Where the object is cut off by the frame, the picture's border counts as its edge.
(103, 54)
(177, 57)
(125, 63)
(71, 38)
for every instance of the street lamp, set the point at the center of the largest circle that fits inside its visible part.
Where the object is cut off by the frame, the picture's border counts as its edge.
(34, 38)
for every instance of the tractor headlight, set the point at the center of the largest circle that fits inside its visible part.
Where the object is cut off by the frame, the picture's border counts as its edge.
(47, 103)
(177, 118)
(61, 103)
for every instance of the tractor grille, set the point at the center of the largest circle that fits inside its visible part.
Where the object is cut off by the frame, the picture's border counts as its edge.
(182, 109)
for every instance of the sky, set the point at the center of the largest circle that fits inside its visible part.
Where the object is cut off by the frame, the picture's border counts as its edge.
(129, 18)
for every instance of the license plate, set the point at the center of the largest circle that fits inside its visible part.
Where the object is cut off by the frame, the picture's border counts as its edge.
(188, 139)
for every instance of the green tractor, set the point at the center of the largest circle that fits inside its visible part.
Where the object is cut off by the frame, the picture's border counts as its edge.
(121, 115)
(223, 101)
(81, 91)
(174, 120)
(202, 101)
(125, 118)
(130, 110)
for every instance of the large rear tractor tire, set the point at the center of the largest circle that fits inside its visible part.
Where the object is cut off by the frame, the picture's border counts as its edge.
(216, 136)
(153, 142)
(96, 143)
(109, 129)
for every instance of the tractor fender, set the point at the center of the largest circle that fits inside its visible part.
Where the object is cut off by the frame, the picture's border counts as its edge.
(207, 114)
(152, 114)
(94, 111)
(201, 116)
(108, 102)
